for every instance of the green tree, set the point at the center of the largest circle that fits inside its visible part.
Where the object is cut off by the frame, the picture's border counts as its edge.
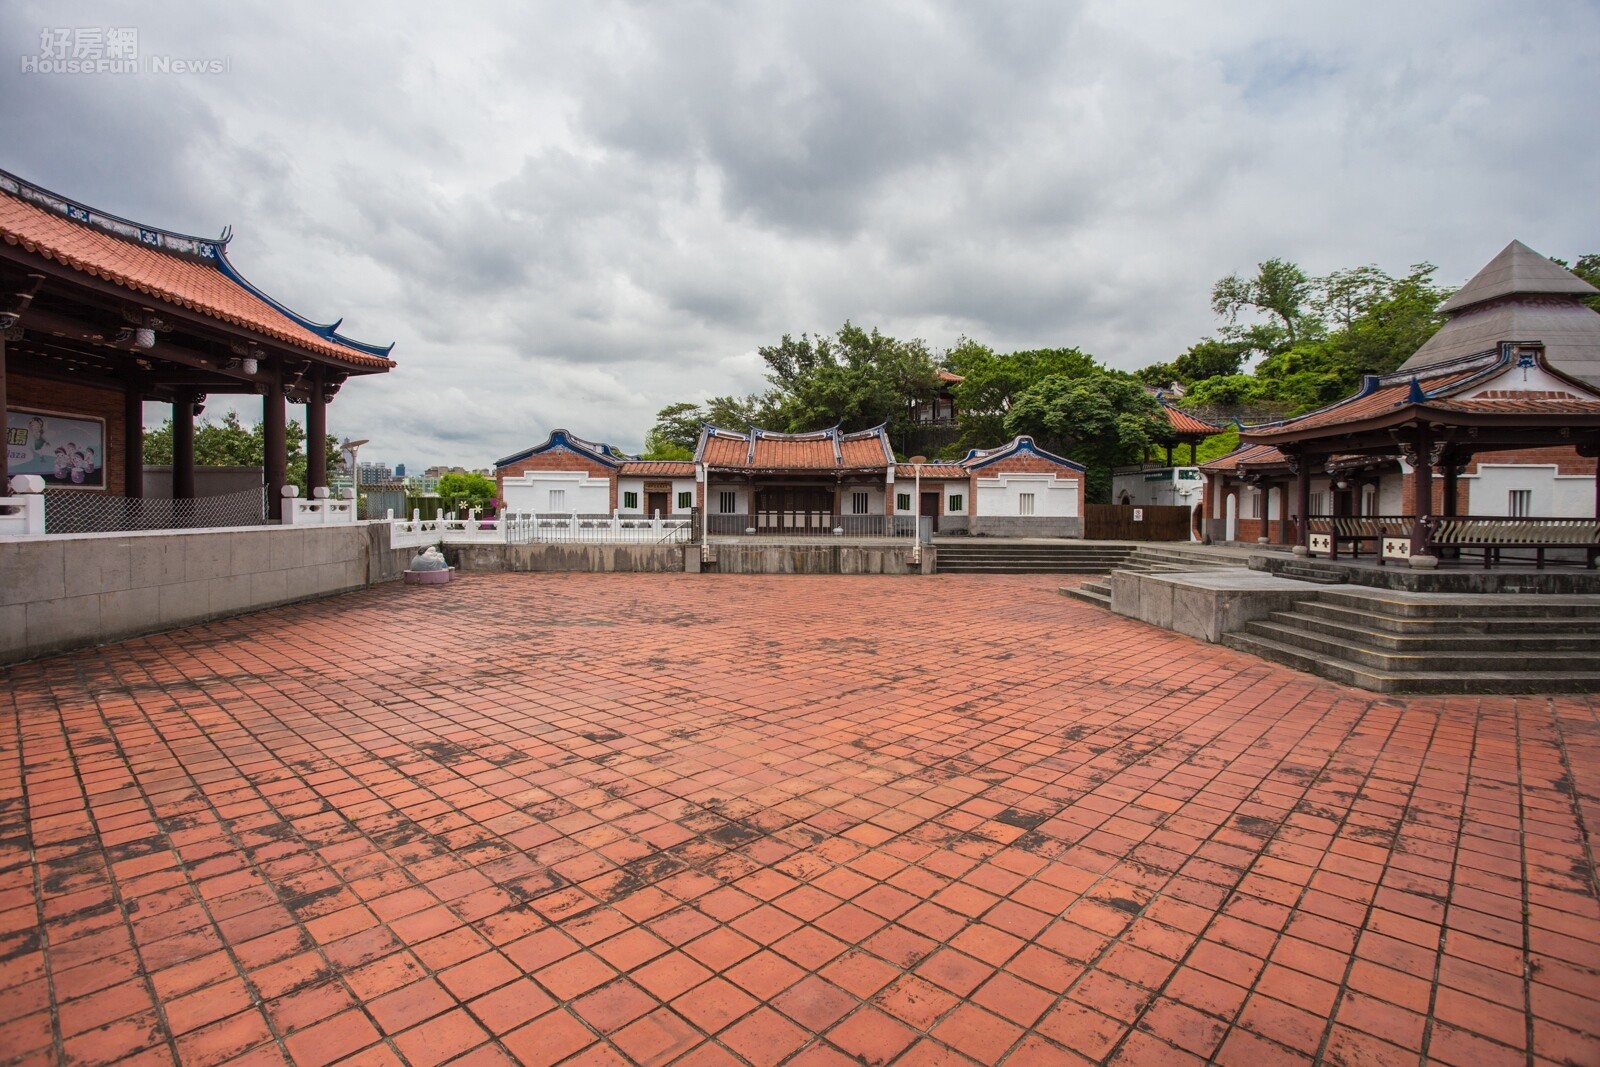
(1279, 290)
(229, 443)
(1101, 420)
(675, 433)
(462, 492)
(1587, 268)
(991, 384)
(855, 379)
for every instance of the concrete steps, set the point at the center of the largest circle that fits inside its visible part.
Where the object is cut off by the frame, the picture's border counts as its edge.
(1154, 559)
(1410, 643)
(1002, 557)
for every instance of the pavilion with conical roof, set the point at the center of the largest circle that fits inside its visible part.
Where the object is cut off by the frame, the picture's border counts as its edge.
(1515, 369)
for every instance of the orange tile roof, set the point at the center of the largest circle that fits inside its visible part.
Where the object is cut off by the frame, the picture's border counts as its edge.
(659, 468)
(1262, 454)
(1380, 399)
(908, 471)
(818, 450)
(1183, 422)
(189, 283)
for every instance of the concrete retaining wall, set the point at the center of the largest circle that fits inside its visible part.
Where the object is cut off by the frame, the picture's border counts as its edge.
(68, 591)
(469, 558)
(1026, 526)
(821, 559)
(1204, 604)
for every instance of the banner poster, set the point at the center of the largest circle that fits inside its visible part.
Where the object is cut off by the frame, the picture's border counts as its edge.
(65, 450)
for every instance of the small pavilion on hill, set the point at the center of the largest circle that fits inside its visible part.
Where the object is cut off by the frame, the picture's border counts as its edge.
(99, 315)
(1514, 372)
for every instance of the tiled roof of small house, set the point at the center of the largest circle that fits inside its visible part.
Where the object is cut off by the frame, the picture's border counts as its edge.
(659, 468)
(566, 441)
(1246, 454)
(190, 272)
(818, 450)
(908, 471)
(1185, 423)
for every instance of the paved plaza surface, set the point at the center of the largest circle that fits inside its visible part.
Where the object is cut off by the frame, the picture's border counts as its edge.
(703, 819)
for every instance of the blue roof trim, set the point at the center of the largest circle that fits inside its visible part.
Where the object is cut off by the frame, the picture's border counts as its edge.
(978, 459)
(203, 249)
(600, 452)
(327, 331)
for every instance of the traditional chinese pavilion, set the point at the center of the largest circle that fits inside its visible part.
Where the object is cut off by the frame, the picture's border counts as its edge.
(99, 314)
(1506, 396)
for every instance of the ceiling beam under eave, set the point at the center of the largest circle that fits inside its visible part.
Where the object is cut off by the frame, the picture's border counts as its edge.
(69, 283)
(105, 337)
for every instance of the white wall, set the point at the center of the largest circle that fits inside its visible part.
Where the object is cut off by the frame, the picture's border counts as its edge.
(583, 493)
(634, 484)
(1052, 497)
(1391, 495)
(714, 491)
(1553, 495)
(874, 499)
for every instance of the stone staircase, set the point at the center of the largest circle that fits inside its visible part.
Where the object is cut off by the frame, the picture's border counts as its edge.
(1398, 642)
(981, 556)
(1159, 558)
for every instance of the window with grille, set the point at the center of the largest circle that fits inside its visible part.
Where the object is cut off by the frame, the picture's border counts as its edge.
(1520, 504)
(630, 500)
(558, 500)
(859, 503)
(956, 502)
(902, 501)
(1024, 503)
(1252, 504)
(685, 501)
(727, 503)
(1369, 500)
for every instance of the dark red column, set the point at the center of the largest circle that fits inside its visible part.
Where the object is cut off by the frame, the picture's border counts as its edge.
(1302, 496)
(183, 446)
(133, 439)
(274, 442)
(5, 472)
(1421, 490)
(316, 435)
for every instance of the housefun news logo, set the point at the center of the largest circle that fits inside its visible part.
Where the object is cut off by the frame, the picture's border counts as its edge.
(107, 50)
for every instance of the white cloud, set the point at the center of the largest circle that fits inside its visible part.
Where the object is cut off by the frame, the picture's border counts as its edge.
(576, 214)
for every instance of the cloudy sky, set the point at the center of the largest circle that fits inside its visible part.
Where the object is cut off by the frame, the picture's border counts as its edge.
(573, 214)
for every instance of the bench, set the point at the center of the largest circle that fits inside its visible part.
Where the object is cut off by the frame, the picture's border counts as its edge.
(1328, 532)
(1493, 535)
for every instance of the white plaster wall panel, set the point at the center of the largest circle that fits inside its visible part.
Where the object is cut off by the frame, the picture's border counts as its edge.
(582, 493)
(1052, 497)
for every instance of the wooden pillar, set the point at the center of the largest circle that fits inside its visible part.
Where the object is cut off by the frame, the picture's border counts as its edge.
(1450, 485)
(1421, 489)
(183, 445)
(1191, 453)
(317, 435)
(133, 439)
(1302, 495)
(5, 470)
(273, 439)
(1283, 513)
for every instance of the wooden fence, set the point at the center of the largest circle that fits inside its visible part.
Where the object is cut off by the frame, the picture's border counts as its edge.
(1126, 522)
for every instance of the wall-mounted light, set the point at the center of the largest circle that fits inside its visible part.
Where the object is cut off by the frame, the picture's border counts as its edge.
(144, 337)
(248, 364)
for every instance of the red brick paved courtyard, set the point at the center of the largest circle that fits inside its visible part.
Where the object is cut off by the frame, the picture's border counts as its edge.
(670, 819)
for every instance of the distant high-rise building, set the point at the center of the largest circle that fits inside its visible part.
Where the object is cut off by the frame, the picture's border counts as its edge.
(372, 473)
(399, 470)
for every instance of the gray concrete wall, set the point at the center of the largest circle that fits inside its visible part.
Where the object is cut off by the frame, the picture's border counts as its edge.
(469, 558)
(1026, 526)
(1205, 604)
(69, 591)
(208, 481)
(820, 559)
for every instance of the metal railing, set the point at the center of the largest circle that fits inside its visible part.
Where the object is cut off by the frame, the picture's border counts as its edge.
(809, 524)
(76, 511)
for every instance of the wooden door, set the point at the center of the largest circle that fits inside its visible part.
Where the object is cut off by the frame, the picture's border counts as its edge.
(658, 502)
(930, 508)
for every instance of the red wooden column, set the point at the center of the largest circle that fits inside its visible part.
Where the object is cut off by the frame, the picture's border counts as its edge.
(1283, 513)
(5, 473)
(133, 439)
(317, 435)
(183, 445)
(1421, 489)
(1302, 495)
(274, 441)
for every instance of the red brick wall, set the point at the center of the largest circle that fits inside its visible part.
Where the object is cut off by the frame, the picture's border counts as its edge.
(71, 399)
(555, 461)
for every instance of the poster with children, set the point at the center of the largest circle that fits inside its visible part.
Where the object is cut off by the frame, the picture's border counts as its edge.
(63, 450)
